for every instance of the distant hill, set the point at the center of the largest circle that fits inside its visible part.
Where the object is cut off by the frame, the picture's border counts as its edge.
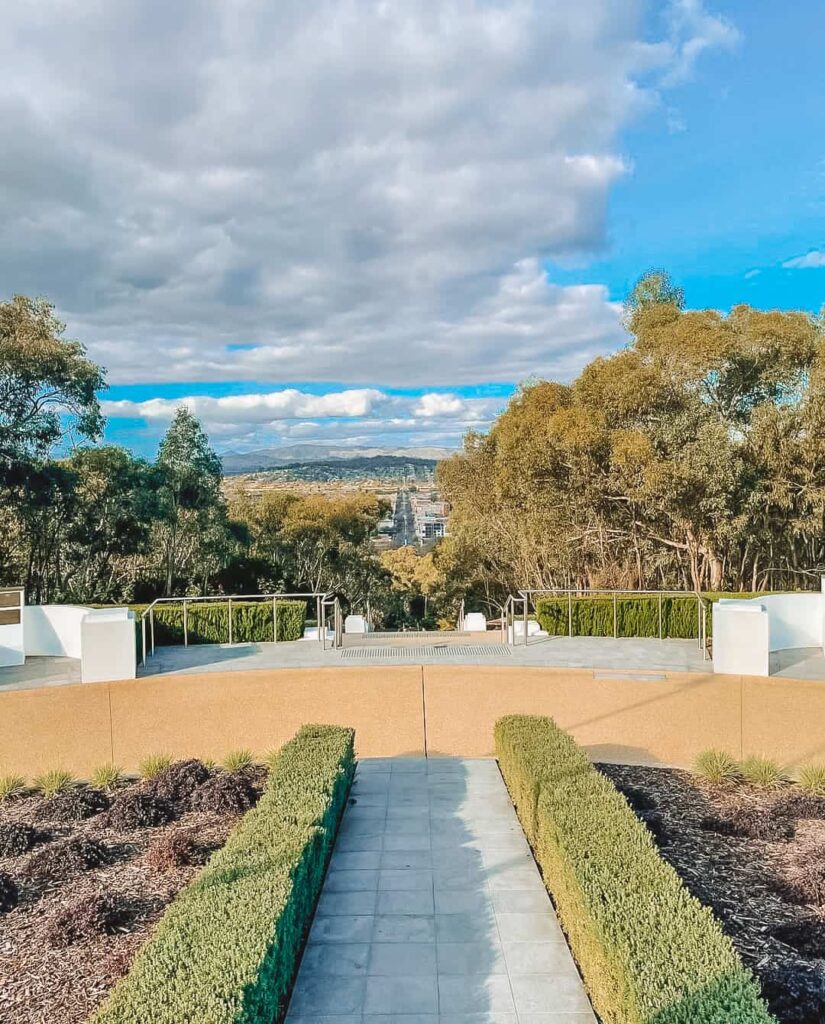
(295, 455)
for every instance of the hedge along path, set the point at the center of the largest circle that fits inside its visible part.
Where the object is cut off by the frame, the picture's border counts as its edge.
(208, 622)
(636, 616)
(227, 949)
(649, 952)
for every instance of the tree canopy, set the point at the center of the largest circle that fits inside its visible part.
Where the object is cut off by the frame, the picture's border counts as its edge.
(695, 457)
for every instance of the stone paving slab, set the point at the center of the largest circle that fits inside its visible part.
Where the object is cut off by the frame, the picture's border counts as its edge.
(433, 910)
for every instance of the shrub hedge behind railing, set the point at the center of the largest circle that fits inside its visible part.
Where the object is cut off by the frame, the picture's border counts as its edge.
(226, 951)
(636, 615)
(207, 622)
(649, 952)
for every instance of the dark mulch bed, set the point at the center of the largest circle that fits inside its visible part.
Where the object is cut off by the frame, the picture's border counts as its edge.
(91, 876)
(757, 859)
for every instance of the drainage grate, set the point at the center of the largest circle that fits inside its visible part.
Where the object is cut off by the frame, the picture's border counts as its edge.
(630, 676)
(441, 652)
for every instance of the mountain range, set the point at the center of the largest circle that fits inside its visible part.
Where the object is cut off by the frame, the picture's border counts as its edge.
(273, 458)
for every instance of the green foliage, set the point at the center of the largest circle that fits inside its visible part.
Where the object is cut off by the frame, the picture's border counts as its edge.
(635, 615)
(107, 777)
(54, 781)
(208, 622)
(763, 772)
(153, 765)
(227, 949)
(812, 778)
(717, 767)
(270, 759)
(11, 786)
(239, 760)
(649, 952)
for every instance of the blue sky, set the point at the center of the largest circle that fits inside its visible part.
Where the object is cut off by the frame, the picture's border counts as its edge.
(347, 225)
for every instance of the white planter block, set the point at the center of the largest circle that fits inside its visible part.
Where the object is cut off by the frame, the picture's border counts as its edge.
(108, 645)
(475, 622)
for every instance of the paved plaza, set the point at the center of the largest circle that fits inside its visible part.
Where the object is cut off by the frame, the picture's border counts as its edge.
(433, 909)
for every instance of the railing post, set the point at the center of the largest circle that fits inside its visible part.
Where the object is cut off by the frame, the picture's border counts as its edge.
(143, 636)
(185, 626)
(152, 629)
(660, 615)
(274, 620)
(230, 621)
(569, 612)
(615, 623)
(318, 603)
(526, 617)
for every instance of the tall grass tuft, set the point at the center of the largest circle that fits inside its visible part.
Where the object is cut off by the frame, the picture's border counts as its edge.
(107, 777)
(239, 760)
(154, 764)
(54, 781)
(270, 759)
(763, 773)
(11, 786)
(717, 768)
(812, 778)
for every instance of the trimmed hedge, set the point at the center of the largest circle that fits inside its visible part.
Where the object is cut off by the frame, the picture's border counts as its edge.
(227, 949)
(636, 615)
(207, 622)
(650, 953)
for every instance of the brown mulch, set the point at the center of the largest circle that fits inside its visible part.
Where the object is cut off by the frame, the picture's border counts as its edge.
(757, 859)
(74, 932)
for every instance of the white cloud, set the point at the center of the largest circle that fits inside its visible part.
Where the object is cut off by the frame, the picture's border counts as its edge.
(694, 30)
(346, 191)
(811, 260)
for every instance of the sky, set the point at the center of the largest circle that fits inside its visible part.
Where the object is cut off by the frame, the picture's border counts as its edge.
(364, 222)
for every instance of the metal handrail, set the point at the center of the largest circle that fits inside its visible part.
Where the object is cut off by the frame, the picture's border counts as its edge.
(148, 613)
(529, 594)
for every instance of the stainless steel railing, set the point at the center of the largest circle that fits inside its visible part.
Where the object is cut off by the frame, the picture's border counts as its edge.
(528, 596)
(326, 606)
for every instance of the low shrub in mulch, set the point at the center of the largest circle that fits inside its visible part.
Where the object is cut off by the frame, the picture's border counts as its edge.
(178, 782)
(87, 917)
(227, 948)
(75, 804)
(225, 793)
(177, 849)
(66, 857)
(758, 822)
(648, 950)
(803, 873)
(9, 893)
(18, 837)
(137, 808)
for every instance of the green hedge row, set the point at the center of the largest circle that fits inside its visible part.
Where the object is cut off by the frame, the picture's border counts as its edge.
(635, 615)
(227, 949)
(207, 622)
(649, 952)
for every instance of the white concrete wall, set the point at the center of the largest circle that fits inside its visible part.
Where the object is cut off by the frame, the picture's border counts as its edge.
(11, 645)
(746, 632)
(108, 645)
(797, 620)
(53, 630)
(102, 639)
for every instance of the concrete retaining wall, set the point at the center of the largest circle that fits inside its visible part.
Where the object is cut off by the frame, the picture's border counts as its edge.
(445, 710)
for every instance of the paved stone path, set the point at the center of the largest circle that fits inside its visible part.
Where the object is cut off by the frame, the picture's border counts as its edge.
(433, 909)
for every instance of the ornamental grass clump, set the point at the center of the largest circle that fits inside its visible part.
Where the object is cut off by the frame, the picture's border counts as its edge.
(717, 768)
(227, 949)
(153, 765)
(12, 786)
(812, 778)
(54, 781)
(763, 773)
(239, 760)
(649, 952)
(107, 777)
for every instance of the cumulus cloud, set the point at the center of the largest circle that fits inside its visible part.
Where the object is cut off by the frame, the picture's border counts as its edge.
(693, 30)
(811, 260)
(350, 190)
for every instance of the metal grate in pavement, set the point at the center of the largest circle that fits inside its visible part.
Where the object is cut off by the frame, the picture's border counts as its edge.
(439, 653)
